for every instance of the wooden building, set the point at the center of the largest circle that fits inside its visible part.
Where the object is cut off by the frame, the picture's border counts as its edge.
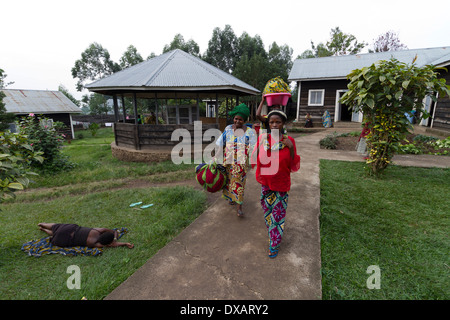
(322, 81)
(53, 105)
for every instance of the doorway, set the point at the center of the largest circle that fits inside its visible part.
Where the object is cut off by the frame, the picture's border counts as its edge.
(342, 111)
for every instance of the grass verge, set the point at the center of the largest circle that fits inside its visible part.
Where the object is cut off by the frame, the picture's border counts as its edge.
(398, 222)
(93, 195)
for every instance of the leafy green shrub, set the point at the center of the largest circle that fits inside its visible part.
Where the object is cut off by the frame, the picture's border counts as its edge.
(409, 148)
(94, 128)
(329, 142)
(43, 137)
(16, 157)
(424, 139)
(384, 92)
(422, 144)
(442, 143)
(351, 134)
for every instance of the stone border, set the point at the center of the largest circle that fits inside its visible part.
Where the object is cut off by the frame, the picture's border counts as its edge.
(131, 155)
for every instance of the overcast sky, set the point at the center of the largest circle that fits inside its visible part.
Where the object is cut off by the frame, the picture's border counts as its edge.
(41, 40)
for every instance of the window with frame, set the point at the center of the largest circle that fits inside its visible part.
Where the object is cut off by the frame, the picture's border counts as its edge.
(316, 97)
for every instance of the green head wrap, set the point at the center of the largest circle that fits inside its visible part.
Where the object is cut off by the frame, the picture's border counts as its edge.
(241, 110)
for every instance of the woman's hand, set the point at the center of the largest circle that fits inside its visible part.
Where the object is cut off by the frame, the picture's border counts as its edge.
(288, 143)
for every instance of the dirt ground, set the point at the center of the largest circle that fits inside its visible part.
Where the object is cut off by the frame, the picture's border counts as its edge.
(349, 144)
(346, 143)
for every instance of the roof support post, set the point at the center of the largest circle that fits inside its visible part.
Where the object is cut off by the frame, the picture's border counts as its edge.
(116, 109)
(137, 143)
(124, 110)
(226, 111)
(135, 109)
(217, 109)
(71, 126)
(198, 108)
(434, 110)
(299, 91)
(177, 109)
(157, 108)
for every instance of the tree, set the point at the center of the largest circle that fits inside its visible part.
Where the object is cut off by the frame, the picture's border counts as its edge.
(250, 46)
(252, 62)
(343, 43)
(95, 63)
(151, 56)
(280, 60)
(253, 71)
(315, 52)
(96, 103)
(384, 93)
(66, 92)
(388, 41)
(178, 42)
(339, 44)
(130, 57)
(222, 49)
(5, 118)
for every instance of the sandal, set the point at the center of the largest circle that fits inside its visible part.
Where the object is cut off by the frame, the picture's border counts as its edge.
(135, 204)
(240, 213)
(273, 253)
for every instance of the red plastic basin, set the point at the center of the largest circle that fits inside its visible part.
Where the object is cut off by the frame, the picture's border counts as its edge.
(280, 98)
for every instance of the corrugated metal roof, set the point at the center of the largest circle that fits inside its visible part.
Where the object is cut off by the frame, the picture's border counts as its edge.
(174, 70)
(38, 102)
(338, 67)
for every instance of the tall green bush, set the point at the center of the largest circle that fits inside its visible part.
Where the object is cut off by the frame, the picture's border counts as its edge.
(44, 137)
(16, 157)
(386, 92)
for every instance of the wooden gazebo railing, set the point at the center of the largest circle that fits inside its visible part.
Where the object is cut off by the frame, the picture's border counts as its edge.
(146, 136)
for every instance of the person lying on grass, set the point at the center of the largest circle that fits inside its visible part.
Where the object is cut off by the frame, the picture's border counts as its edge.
(72, 235)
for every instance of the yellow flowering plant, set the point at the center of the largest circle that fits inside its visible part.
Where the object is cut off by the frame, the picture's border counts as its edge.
(386, 93)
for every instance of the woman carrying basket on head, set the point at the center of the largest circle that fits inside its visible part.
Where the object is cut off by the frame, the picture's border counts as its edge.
(275, 156)
(237, 139)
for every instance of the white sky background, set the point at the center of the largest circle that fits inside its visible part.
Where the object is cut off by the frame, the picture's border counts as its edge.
(41, 40)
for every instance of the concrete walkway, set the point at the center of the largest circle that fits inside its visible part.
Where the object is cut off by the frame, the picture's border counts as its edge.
(221, 256)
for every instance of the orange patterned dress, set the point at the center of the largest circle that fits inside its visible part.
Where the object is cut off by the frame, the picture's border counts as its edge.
(236, 161)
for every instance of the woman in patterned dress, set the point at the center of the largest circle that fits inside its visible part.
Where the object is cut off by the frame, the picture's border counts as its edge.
(275, 157)
(237, 139)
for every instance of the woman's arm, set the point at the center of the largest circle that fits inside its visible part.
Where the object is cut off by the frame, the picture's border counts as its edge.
(295, 158)
(114, 244)
(288, 143)
(259, 110)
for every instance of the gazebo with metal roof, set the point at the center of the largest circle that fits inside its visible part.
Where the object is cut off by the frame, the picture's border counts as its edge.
(172, 75)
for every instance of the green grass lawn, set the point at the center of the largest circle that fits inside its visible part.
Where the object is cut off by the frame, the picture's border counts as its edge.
(91, 195)
(398, 222)
(94, 162)
(104, 135)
